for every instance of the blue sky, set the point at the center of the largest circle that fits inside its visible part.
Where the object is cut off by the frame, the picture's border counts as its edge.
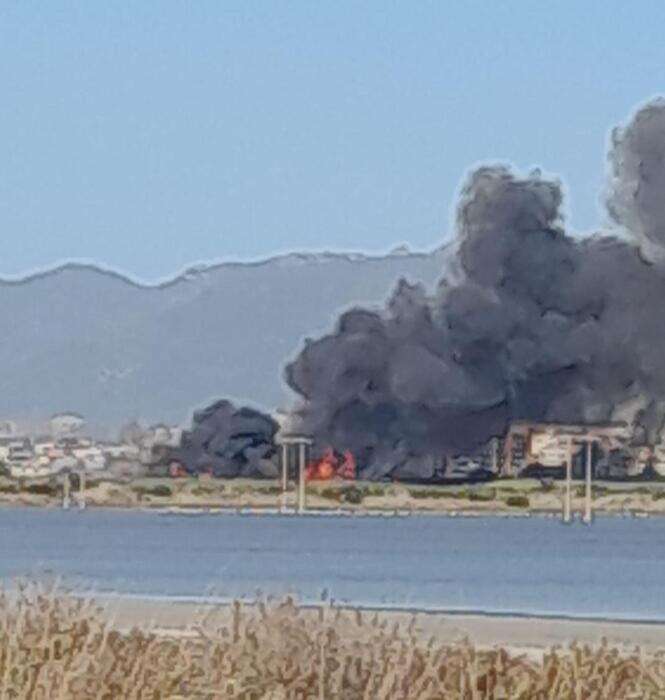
(149, 136)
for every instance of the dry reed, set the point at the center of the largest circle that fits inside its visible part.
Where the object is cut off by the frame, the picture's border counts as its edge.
(56, 647)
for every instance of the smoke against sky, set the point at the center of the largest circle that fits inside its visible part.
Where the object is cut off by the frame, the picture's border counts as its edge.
(537, 324)
(637, 181)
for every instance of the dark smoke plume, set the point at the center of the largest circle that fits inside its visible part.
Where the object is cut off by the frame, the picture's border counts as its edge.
(229, 442)
(538, 325)
(637, 180)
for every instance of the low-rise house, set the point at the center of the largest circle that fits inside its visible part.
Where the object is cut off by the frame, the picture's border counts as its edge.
(45, 447)
(64, 463)
(5, 445)
(114, 450)
(91, 457)
(19, 451)
(33, 468)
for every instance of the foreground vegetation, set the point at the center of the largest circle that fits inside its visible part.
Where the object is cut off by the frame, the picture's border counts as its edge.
(62, 647)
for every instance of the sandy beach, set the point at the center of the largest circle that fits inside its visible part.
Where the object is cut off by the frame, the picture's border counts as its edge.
(521, 634)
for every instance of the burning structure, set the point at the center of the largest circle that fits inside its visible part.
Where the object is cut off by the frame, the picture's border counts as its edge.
(332, 466)
(533, 325)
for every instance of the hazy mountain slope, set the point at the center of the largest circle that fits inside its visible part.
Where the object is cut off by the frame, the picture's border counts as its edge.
(82, 339)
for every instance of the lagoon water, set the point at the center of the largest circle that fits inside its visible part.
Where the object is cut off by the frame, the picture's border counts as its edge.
(614, 569)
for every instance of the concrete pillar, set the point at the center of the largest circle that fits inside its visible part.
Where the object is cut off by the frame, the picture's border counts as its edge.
(285, 467)
(569, 475)
(587, 494)
(284, 475)
(301, 477)
(65, 491)
(507, 469)
(81, 498)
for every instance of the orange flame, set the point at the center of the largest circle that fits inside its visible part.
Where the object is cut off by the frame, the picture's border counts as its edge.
(329, 466)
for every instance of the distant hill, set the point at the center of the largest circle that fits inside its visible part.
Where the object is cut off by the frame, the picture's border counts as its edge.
(82, 339)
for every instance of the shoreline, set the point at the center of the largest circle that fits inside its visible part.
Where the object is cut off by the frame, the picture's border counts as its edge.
(195, 511)
(224, 602)
(527, 633)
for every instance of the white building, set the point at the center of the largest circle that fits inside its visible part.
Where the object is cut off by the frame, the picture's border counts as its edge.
(117, 451)
(91, 457)
(66, 425)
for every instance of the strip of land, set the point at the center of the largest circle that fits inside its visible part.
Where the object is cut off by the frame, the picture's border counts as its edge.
(523, 634)
(503, 496)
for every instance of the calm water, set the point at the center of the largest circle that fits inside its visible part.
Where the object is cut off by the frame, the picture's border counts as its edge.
(616, 568)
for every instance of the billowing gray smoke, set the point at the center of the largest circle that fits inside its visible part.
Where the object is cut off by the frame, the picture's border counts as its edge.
(537, 325)
(637, 178)
(229, 441)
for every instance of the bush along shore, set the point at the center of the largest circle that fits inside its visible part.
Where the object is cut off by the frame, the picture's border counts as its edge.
(56, 646)
(501, 496)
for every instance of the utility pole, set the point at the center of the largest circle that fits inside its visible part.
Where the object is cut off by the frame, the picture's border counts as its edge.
(569, 475)
(587, 495)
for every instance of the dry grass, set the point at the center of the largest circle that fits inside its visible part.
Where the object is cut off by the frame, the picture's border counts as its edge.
(58, 647)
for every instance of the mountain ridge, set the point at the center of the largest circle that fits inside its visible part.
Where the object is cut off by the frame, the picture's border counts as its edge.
(201, 268)
(82, 338)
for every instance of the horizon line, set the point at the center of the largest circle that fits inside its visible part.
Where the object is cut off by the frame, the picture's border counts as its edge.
(196, 268)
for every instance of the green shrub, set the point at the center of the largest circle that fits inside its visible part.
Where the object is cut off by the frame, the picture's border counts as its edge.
(42, 489)
(159, 491)
(353, 494)
(580, 491)
(162, 491)
(202, 491)
(375, 490)
(488, 495)
(431, 493)
(8, 488)
(332, 494)
(517, 501)
(658, 495)
(268, 490)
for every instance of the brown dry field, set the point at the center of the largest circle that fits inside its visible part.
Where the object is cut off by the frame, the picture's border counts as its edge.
(54, 646)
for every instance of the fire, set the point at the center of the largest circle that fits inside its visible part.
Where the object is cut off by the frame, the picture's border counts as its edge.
(331, 466)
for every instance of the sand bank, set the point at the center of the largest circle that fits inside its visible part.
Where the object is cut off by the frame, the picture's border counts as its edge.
(520, 633)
